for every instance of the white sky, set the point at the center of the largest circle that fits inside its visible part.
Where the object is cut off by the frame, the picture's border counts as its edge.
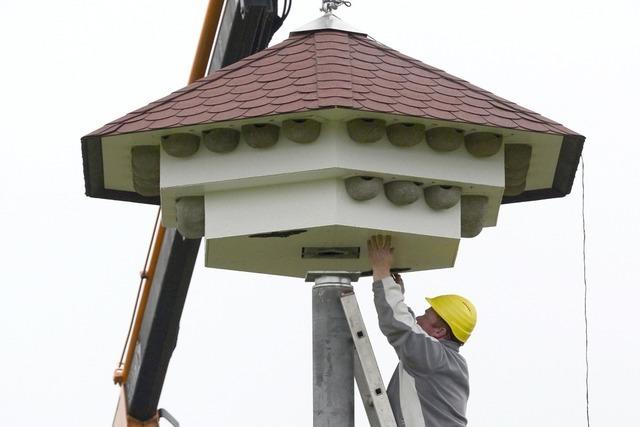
(70, 264)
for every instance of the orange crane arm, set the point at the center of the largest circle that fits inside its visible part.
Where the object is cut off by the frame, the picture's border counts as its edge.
(198, 70)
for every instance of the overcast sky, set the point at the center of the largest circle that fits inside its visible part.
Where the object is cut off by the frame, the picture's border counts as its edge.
(70, 264)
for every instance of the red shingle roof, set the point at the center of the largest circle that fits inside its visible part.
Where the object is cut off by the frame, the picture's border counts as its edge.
(326, 69)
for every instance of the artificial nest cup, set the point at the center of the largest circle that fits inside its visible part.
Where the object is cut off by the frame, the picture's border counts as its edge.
(190, 216)
(483, 144)
(221, 140)
(439, 197)
(302, 131)
(145, 168)
(515, 177)
(366, 130)
(444, 139)
(261, 135)
(517, 156)
(515, 190)
(181, 144)
(471, 228)
(363, 188)
(405, 134)
(473, 211)
(402, 193)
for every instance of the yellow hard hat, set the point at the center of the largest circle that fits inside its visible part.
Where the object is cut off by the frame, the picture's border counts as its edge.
(458, 312)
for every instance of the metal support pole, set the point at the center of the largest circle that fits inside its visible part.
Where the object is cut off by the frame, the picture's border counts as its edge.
(333, 360)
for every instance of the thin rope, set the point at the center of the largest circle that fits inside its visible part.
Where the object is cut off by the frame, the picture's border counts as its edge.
(143, 276)
(584, 276)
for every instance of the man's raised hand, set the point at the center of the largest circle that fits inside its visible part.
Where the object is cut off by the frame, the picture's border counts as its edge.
(380, 256)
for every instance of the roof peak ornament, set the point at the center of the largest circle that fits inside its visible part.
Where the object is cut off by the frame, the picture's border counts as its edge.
(328, 6)
(329, 21)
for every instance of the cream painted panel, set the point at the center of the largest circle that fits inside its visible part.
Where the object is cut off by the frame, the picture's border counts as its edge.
(315, 204)
(170, 195)
(272, 208)
(282, 256)
(544, 160)
(116, 161)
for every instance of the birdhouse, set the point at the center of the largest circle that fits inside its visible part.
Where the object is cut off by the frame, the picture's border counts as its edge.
(288, 160)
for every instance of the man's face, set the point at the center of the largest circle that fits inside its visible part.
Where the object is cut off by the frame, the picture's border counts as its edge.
(431, 323)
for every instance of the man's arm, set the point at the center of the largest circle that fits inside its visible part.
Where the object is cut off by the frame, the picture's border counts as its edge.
(418, 351)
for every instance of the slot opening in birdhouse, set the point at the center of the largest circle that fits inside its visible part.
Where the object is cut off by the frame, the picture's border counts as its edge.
(352, 252)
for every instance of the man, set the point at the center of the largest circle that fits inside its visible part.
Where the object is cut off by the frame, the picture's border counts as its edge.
(430, 386)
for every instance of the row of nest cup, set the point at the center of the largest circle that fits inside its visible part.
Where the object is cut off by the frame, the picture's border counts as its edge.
(401, 193)
(438, 197)
(304, 131)
(257, 135)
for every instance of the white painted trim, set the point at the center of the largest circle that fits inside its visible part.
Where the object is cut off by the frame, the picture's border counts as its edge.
(409, 400)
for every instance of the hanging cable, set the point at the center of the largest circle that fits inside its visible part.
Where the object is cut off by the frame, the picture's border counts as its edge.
(279, 20)
(584, 276)
(286, 9)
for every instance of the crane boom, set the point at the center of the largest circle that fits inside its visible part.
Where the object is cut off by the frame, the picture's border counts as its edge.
(245, 27)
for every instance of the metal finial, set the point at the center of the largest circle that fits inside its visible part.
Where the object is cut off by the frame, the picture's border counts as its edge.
(328, 6)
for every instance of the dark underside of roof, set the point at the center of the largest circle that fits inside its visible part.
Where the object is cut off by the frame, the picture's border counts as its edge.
(566, 168)
(94, 175)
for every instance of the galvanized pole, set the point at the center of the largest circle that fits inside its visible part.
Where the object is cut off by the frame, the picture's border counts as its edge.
(333, 392)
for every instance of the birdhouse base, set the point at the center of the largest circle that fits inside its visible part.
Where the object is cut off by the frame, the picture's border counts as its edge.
(336, 248)
(295, 228)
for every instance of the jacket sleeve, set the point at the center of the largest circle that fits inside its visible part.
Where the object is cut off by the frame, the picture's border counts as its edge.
(418, 352)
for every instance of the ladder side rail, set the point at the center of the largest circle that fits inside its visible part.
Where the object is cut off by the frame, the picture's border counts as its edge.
(375, 398)
(363, 388)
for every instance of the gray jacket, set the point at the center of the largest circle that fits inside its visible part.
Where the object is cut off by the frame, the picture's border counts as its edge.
(430, 386)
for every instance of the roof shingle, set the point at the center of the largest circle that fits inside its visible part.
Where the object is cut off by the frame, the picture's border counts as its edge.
(330, 69)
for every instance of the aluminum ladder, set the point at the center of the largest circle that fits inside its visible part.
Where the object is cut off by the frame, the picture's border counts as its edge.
(366, 371)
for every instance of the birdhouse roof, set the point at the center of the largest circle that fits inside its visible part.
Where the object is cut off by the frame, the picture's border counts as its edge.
(328, 69)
